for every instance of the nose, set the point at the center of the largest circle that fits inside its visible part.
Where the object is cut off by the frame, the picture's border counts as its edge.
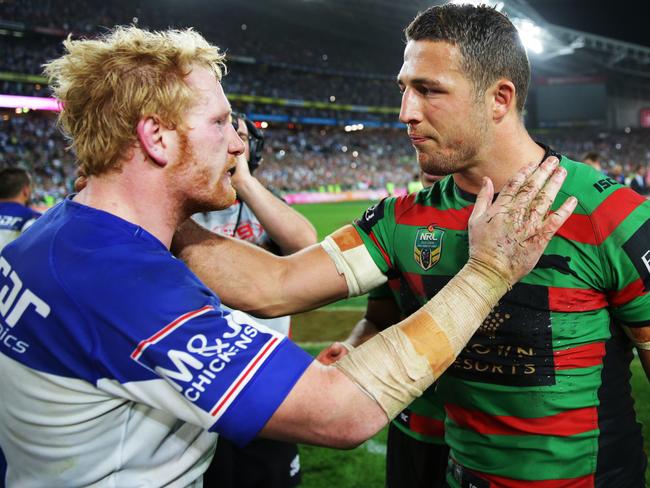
(410, 112)
(236, 146)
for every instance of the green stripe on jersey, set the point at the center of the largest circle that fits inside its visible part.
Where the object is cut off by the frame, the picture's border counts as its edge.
(573, 389)
(546, 457)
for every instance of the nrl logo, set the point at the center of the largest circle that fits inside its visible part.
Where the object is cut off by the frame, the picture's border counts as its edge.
(428, 246)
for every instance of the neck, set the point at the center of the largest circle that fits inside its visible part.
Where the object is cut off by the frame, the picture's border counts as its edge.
(136, 194)
(499, 160)
(18, 200)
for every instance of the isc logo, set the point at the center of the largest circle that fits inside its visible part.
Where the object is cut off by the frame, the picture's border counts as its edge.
(14, 299)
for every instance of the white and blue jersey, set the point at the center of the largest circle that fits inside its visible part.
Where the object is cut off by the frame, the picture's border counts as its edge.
(118, 364)
(14, 219)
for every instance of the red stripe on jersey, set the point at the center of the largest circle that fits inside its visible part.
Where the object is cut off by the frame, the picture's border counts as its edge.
(575, 299)
(244, 377)
(580, 357)
(607, 216)
(566, 423)
(627, 294)
(615, 210)
(381, 249)
(167, 329)
(578, 228)
(403, 204)
(426, 425)
(586, 481)
(422, 216)
(415, 283)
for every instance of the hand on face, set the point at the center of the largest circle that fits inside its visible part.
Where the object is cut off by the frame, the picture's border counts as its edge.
(242, 173)
(511, 234)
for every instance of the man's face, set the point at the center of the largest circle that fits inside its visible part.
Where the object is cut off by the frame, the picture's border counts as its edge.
(206, 146)
(446, 124)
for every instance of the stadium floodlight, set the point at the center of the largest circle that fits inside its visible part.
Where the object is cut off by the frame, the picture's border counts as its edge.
(530, 35)
(33, 103)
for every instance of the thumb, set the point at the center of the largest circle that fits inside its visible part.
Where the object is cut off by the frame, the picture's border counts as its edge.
(484, 198)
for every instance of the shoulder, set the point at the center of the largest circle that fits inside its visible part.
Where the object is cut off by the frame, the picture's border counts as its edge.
(593, 188)
(605, 207)
(94, 254)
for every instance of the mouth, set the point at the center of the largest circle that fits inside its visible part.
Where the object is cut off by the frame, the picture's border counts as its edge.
(231, 170)
(417, 139)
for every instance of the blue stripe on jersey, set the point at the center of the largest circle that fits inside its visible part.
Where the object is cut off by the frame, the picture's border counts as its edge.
(106, 300)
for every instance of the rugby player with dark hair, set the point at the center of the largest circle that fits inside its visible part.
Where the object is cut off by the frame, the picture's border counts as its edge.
(15, 193)
(540, 395)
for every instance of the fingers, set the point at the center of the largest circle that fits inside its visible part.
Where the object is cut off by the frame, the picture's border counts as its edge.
(332, 353)
(514, 184)
(557, 219)
(484, 198)
(529, 190)
(544, 199)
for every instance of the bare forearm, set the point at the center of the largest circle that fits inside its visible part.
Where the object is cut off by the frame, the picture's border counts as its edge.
(326, 408)
(287, 228)
(250, 279)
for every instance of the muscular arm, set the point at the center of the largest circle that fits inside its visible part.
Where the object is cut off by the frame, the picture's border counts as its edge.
(286, 227)
(253, 280)
(326, 408)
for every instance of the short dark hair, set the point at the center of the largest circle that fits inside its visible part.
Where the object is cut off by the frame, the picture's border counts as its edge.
(488, 42)
(12, 181)
(591, 156)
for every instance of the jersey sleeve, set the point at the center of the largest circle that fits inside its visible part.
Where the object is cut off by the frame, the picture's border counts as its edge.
(162, 339)
(625, 235)
(376, 227)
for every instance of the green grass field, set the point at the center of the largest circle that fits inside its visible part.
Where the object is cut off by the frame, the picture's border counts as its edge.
(364, 467)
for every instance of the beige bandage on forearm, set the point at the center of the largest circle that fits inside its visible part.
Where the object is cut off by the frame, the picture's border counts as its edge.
(353, 261)
(640, 336)
(398, 364)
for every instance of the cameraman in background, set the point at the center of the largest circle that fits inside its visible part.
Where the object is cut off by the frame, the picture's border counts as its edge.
(263, 219)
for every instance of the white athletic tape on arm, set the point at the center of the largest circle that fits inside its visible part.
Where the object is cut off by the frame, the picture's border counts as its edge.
(396, 365)
(356, 265)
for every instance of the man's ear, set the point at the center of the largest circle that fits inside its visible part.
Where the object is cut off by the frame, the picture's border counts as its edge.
(151, 135)
(26, 193)
(503, 98)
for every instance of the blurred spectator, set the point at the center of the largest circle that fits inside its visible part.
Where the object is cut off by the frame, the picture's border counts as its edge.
(593, 159)
(616, 173)
(638, 180)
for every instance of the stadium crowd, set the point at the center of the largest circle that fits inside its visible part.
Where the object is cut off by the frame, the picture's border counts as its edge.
(302, 158)
(310, 158)
(26, 56)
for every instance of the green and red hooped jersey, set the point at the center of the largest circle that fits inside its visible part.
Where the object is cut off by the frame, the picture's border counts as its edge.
(540, 397)
(424, 419)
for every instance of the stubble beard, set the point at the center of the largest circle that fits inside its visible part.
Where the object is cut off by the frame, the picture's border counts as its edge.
(438, 163)
(203, 196)
(456, 156)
